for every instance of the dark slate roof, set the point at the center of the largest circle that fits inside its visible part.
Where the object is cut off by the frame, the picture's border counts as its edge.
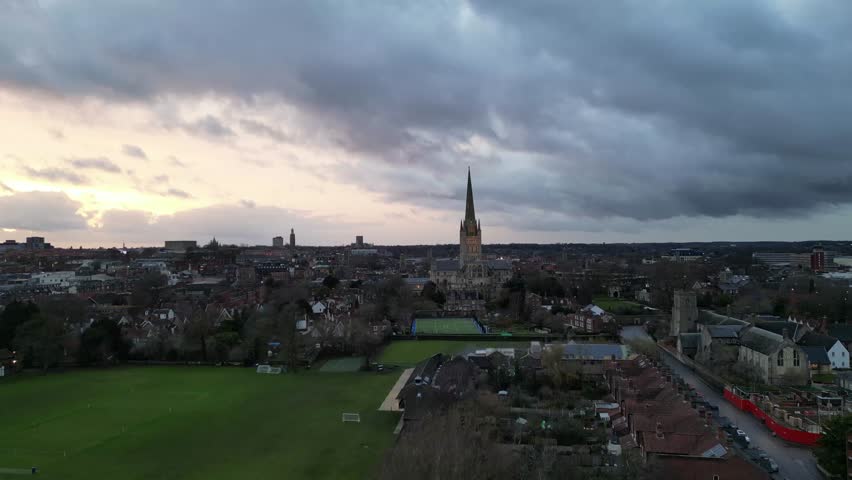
(761, 340)
(816, 354)
(779, 326)
(724, 331)
(456, 375)
(813, 339)
(421, 400)
(446, 265)
(597, 351)
(499, 265)
(481, 361)
(427, 368)
(842, 331)
(707, 317)
(690, 340)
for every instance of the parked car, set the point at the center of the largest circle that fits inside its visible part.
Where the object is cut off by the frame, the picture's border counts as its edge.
(741, 435)
(768, 463)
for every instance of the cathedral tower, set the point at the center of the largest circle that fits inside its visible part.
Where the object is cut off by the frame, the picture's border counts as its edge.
(470, 233)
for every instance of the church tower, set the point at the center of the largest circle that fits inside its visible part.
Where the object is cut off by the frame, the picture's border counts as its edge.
(470, 233)
(292, 238)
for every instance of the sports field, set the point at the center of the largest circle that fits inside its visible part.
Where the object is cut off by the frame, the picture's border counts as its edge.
(410, 352)
(425, 326)
(343, 364)
(194, 423)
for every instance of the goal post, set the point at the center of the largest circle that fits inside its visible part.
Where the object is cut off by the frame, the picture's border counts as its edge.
(352, 417)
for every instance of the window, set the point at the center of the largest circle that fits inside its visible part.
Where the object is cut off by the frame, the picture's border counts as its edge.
(781, 358)
(795, 358)
(832, 354)
(715, 477)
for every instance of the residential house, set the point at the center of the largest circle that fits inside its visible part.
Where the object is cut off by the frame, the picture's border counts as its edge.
(731, 467)
(842, 332)
(319, 308)
(817, 359)
(590, 319)
(836, 352)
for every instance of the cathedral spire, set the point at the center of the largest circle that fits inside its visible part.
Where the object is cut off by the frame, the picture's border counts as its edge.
(469, 214)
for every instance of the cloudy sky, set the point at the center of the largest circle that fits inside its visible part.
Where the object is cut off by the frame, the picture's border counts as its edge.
(138, 121)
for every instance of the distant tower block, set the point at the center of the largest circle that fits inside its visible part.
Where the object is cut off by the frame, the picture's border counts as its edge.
(684, 312)
(278, 241)
(359, 241)
(292, 239)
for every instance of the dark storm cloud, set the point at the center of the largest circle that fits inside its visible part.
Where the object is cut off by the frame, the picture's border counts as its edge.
(263, 130)
(40, 211)
(208, 126)
(660, 111)
(98, 163)
(54, 174)
(134, 151)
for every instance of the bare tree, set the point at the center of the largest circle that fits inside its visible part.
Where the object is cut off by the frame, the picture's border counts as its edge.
(201, 326)
(560, 373)
(448, 445)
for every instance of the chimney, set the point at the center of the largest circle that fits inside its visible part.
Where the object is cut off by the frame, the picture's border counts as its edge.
(720, 434)
(785, 333)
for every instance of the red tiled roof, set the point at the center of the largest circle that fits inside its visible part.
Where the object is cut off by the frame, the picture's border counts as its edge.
(679, 443)
(728, 468)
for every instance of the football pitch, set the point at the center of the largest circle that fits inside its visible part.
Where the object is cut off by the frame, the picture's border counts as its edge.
(425, 326)
(193, 423)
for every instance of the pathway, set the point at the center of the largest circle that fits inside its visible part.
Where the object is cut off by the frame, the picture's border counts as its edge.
(391, 404)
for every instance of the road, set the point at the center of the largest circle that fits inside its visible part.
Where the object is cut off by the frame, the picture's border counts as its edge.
(793, 462)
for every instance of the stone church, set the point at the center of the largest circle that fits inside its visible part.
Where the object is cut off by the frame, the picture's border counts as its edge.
(471, 280)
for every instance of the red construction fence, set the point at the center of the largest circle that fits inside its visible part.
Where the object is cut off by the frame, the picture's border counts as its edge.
(786, 433)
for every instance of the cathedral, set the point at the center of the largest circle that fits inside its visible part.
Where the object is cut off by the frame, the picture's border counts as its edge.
(471, 280)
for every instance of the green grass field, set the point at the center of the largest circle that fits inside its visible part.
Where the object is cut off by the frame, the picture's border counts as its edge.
(194, 423)
(446, 326)
(410, 352)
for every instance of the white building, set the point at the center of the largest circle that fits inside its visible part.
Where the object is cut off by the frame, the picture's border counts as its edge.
(53, 279)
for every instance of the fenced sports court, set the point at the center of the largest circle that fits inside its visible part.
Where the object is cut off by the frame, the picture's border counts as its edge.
(445, 326)
(345, 364)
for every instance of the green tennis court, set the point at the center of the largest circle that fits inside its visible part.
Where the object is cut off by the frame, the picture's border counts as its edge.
(426, 326)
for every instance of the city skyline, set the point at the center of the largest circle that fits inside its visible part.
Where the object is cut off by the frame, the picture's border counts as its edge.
(698, 123)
